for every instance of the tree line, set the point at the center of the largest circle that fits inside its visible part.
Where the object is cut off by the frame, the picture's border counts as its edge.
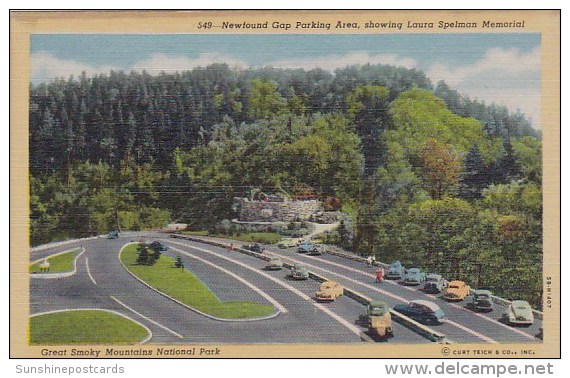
(422, 173)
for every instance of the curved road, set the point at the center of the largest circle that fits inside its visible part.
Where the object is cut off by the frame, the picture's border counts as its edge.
(102, 282)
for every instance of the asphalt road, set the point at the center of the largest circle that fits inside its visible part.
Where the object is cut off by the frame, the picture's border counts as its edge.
(102, 282)
(463, 325)
(312, 320)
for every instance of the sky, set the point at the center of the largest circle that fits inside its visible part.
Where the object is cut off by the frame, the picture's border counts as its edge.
(500, 68)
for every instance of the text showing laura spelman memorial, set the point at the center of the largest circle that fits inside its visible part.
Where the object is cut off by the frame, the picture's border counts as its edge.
(254, 184)
(319, 25)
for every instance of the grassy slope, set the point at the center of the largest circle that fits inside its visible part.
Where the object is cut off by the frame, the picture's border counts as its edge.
(58, 264)
(84, 327)
(182, 285)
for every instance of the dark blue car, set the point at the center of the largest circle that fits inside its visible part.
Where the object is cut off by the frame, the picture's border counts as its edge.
(425, 312)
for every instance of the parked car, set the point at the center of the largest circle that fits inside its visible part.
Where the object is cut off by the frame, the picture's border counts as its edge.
(158, 246)
(434, 283)
(287, 242)
(329, 291)
(519, 313)
(395, 271)
(274, 264)
(318, 250)
(456, 291)
(425, 312)
(305, 247)
(299, 273)
(300, 241)
(379, 319)
(113, 235)
(253, 247)
(414, 276)
(481, 300)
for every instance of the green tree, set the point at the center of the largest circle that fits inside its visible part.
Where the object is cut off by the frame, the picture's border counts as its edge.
(367, 108)
(508, 165)
(143, 254)
(528, 152)
(264, 99)
(474, 176)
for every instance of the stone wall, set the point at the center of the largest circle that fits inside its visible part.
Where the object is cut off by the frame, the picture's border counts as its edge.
(260, 211)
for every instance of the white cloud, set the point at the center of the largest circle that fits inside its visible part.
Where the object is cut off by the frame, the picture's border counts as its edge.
(45, 66)
(332, 62)
(158, 63)
(505, 76)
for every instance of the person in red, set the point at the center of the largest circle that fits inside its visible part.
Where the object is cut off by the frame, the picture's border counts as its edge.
(379, 275)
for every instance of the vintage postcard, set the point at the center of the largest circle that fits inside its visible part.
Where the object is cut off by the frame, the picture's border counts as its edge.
(228, 184)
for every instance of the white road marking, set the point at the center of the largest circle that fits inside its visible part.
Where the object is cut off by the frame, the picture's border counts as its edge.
(146, 318)
(522, 333)
(339, 319)
(88, 271)
(460, 326)
(149, 336)
(240, 279)
(392, 295)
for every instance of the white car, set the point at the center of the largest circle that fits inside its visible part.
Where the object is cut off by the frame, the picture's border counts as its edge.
(519, 313)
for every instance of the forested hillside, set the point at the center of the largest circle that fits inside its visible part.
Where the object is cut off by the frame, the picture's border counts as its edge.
(424, 174)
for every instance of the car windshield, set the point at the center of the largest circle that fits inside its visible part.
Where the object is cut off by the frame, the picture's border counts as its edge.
(454, 286)
(378, 310)
(522, 308)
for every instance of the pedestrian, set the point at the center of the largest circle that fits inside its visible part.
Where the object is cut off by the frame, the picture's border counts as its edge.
(379, 275)
(231, 246)
(373, 260)
(369, 261)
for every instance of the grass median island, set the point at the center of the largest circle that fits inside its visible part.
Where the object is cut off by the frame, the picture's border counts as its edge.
(84, 327)
(57, 264)
(185, 287)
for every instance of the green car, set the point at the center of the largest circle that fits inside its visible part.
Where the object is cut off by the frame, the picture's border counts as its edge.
(481, 300)
(378, 319)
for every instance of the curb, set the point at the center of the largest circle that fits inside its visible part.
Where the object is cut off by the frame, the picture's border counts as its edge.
(46, 276)
(43, 247)
(360, 298)
(187, 306)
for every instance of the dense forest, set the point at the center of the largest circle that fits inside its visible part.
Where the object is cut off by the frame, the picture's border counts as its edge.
(422, 173)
